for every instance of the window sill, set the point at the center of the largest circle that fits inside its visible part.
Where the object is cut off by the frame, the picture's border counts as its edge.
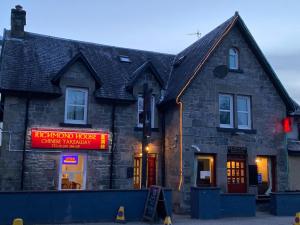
(75, 125)
(236, 130)
(235, 70)
(141, 129)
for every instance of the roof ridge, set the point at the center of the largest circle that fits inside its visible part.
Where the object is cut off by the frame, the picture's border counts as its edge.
(98, 44)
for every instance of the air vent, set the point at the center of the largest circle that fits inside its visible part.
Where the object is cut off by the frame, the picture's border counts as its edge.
(124, 58)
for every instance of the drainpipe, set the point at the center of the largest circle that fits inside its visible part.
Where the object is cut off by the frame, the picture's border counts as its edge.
(112, 145)
(24, 143)
(163, 147)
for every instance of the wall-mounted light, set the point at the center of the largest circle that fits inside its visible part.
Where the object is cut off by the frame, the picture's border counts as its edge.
(147, 148)
(257, 160)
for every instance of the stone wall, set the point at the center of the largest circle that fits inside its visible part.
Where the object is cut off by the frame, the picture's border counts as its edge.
(201, 115)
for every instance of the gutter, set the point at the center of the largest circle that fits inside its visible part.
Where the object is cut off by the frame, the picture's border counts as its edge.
(24, 143)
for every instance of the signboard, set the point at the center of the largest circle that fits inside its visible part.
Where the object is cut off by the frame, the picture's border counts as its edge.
(71, 139)
(70, 159)
(235, 150)
(155, 204)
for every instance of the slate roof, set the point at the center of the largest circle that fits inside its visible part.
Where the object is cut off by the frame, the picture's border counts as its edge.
(190, 57)
(32, 63)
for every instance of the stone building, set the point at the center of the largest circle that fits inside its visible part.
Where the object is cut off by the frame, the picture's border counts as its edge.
(73, 112)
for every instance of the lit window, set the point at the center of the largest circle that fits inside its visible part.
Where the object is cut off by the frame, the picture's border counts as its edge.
(141, 110)
(124, 58)
(76, 106)
(244, 112)
(205, 171)
(226, 111)
(233, 59)
(137, 171)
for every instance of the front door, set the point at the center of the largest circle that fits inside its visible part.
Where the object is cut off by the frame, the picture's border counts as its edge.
(151, 170)
(236, 176)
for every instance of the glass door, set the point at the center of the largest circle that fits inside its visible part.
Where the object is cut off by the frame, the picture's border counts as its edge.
(236, 176)
(72, 172)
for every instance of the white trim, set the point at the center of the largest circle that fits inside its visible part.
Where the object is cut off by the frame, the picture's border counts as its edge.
(248, 112)
(85, 91)
(84, 170)
(230, 125)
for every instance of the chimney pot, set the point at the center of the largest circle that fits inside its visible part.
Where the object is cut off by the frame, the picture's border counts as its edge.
(18, 21)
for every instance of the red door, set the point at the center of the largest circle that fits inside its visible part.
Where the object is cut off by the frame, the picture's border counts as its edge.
(151, 170)
(236, 176)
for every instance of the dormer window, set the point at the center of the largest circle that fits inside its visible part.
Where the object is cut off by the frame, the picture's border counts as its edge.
(233, 59)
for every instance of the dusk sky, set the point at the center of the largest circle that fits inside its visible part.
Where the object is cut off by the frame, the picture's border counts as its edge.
(165, 25)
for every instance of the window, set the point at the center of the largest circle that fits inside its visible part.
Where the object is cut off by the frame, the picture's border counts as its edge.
(124, 58)
(73, 172)
(226, 111)
(243, 112)
(233, 59)
(141, 110)
(76, 106)
(205, 171)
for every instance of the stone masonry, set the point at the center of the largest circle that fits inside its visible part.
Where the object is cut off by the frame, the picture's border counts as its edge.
(201, 118)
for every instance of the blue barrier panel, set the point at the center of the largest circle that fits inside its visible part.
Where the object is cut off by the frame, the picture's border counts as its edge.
(205, 203)
(285, 203)
(238, 205)
(73, 206)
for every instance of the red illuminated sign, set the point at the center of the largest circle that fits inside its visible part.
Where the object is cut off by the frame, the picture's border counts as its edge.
(287, 124)
(71, 139)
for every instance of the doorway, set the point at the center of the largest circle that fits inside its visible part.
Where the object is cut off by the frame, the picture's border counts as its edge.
(265, 174)
(236, 176)
(151, 170)
(72, 174)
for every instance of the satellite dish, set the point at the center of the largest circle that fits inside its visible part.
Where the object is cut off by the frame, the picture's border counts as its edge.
(221, 71)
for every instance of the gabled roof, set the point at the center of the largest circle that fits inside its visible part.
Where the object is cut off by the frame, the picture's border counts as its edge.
(190, 61)
(30, 64)
(35, 64)
(139, 71)
(78, 57)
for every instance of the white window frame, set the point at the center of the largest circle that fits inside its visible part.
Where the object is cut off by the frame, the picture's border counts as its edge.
(84, 172)
(140, 97)
(233, 52)
(85, 91)
(248, 112)
(230, 125)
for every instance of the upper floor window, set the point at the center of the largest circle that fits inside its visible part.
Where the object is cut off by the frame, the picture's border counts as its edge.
(141, 110)
(243, 112)
(226, 110)
(233, 59)
(76, 105)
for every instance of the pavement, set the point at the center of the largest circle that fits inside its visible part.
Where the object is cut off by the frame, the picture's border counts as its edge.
(261, 218)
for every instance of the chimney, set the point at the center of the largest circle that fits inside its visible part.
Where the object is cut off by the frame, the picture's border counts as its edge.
(18, 21)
